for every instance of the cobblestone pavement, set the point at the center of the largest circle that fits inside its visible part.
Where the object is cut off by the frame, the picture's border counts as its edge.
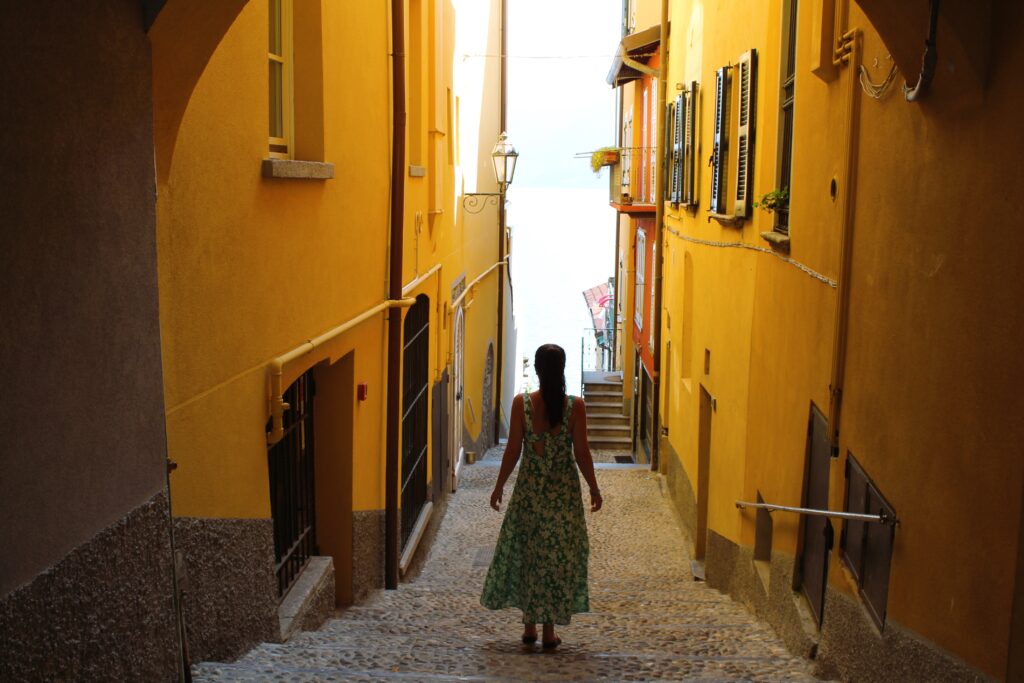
(650, 620)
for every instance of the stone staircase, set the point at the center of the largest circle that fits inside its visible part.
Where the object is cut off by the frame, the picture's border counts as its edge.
(608, 425)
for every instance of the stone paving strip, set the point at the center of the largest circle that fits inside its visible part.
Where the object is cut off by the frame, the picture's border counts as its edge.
(650, 621)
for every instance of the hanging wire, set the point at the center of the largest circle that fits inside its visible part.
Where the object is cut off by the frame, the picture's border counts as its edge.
(510, 56)
(877, 90)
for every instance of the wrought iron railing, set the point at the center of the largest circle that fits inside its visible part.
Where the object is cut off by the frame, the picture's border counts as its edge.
(292, 487)
(597, 350)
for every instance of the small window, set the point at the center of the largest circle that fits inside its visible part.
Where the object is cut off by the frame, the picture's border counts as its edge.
(652, 145)
(641, 264)
(279, 54)
(866, 547)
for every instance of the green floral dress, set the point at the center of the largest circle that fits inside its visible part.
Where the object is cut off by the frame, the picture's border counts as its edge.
(540, 563)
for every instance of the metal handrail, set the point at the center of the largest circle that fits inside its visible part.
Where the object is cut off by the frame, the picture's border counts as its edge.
(880, 518)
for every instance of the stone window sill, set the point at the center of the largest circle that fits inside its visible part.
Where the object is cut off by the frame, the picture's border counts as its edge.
(727, 220)
(297, 170)
(777, 240)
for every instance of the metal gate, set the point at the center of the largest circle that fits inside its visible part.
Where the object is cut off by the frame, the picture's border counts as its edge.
(815, 532)
(415, 401)
(292, 501)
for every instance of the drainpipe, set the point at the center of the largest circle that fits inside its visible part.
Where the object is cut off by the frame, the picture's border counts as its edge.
(848, 54)
(392, 533)
(659, 231)
(498, 350)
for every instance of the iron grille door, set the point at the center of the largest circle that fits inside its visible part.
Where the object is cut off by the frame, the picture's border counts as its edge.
(816, 532)
(292, 502)
(415, 397)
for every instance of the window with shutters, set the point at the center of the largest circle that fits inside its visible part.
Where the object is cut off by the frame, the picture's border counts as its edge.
(683, 158)
(669, 161)
(720, 146)
(731, 188)
(786, 115)
(641, 192)
(866, 547)
(674, 186)
(745, 125)
(641, 265)
(652, 145)
(627, 157)
(279, 55)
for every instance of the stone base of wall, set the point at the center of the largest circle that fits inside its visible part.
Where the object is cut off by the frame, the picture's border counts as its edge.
(849, 646)
(229, 586)
(681, 494)
(367, 552)
(104, 612)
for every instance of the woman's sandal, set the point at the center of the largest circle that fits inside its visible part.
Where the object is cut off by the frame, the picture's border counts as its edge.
(551, 644)
(529, 640)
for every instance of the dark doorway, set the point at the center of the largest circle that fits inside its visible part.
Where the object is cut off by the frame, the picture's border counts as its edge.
(334, 419)
(292, 485)
(646, 415)
(811, 575)
(415, 412)
(703, 474)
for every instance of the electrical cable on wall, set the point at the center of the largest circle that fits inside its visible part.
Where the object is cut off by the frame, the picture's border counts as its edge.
(877, 90)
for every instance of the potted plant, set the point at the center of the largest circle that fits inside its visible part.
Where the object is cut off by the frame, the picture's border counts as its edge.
(774, 200)
(605, 156)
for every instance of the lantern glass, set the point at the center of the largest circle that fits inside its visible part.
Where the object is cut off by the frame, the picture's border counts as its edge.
(504, 157)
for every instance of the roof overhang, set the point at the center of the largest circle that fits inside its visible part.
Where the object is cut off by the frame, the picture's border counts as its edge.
(633, 51)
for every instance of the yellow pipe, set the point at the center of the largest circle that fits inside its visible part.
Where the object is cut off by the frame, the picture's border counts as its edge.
(276, 366)
(471, 285)
(411, 287)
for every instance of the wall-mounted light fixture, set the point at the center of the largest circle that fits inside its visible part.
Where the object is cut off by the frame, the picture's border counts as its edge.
(503, 158)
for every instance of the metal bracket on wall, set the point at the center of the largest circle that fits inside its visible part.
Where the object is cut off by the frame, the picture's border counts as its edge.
(474, 202)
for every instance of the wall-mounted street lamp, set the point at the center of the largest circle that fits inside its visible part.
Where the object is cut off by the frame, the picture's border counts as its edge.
(503, 158)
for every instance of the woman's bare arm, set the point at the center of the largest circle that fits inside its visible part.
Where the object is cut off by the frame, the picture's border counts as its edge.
(512, 450)
(581, 449)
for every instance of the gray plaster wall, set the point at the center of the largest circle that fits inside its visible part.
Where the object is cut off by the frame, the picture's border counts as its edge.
(104, 612)
(82, 418)
(229, 586)
(367, 552)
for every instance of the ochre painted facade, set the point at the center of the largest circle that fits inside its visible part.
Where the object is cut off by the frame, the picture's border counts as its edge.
(251, 266)
(929, 382)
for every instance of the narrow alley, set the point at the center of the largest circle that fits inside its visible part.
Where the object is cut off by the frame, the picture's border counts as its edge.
(650, 620)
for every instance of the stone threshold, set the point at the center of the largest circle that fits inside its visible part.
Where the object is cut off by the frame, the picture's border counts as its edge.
(303, 599)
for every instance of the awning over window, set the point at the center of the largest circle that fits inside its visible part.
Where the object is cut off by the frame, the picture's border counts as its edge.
(640, 47)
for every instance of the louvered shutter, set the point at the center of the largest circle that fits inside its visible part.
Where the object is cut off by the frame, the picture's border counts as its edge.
(719, 155)
(745, 133)
(677, 150)
(686, 163)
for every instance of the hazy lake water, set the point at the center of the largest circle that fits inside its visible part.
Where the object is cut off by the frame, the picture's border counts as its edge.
(563, 242)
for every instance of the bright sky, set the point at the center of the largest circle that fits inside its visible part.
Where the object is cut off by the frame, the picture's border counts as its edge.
(558, 101)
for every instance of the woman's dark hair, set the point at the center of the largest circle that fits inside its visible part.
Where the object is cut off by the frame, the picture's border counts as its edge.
(549, 362)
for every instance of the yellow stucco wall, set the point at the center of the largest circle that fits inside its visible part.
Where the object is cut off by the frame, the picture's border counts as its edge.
(247, 279)
(931, 369)
(249, 267)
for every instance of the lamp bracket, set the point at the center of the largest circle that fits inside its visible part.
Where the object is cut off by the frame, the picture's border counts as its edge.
(474, 202)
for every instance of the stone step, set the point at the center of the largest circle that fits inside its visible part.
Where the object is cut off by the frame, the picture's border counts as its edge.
(607, 429)
(575, 661)
(611, 443)
(613, 409)
(601, 419)
(603, 393)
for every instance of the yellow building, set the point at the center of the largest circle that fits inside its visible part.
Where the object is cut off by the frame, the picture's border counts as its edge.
(277, 287)
(852, 349)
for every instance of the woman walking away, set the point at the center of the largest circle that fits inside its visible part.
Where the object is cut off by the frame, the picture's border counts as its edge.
(540, 563)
